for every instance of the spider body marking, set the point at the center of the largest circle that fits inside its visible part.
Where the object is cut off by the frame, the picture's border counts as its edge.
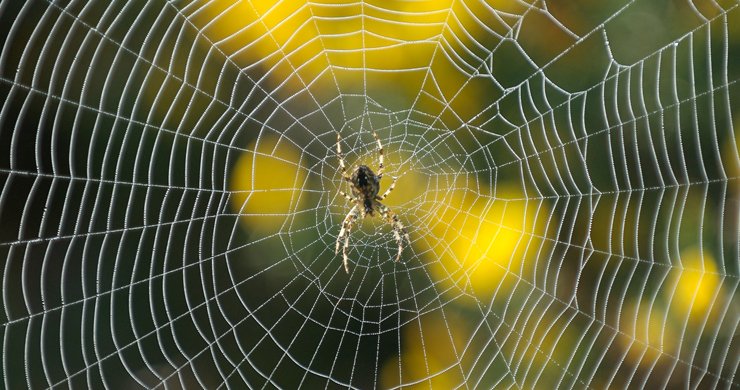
(365, 185)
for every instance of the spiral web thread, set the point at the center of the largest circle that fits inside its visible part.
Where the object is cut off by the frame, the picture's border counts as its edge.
(568, 176)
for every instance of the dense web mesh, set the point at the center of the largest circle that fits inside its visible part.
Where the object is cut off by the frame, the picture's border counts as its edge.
(567, 171)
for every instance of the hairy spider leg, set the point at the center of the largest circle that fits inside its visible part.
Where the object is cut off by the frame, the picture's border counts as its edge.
(342, 164)
(381, 167)
(388, 191)
(344, 233)
(344, 194)
(399, 230)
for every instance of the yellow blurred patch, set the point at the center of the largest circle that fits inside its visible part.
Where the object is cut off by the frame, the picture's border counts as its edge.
(697, 284)
(430, 356)
(478, 240)
(266, 184)
(646, 333)
(298, 41)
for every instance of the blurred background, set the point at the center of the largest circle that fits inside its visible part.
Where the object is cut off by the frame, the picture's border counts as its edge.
(568, 173)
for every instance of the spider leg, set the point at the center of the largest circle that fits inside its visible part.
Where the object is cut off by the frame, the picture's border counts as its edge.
(344, 194)
(344, 233)
(381, 166)
(342, 164)
(399, 231)
(388, 191)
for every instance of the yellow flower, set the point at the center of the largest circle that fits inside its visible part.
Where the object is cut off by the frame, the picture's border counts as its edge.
(645, 333)
(266, 184)
(697, 285)
(480, 242)
(350, 45)
(431, 354)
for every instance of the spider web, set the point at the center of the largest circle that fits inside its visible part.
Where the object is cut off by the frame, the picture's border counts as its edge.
(568, 173)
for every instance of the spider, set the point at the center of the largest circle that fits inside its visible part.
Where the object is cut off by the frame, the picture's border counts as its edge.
(365, 185)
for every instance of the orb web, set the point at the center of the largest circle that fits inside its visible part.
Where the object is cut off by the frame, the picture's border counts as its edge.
(170, 204)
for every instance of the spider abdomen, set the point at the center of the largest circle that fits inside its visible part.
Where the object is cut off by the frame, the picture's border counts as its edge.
(365, 183)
